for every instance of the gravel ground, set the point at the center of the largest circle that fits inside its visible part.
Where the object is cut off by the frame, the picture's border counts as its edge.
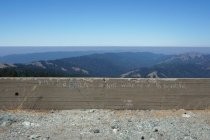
(105, 124)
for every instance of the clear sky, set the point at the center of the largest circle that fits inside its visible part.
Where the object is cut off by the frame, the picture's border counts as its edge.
(105, 22)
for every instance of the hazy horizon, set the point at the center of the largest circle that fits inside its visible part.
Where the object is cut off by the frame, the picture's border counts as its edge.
(4, 51)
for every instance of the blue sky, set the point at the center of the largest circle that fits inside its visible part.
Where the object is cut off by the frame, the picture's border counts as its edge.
(105, 23)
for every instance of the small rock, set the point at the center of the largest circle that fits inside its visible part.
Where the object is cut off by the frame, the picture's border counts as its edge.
(129, 120)
(33, 137)
(156, 130)
(115, 127)
(46, 138)
(96, 131)
(115, 130)
(188, 138)
(29, 124)
(92, 111)
(185, 115)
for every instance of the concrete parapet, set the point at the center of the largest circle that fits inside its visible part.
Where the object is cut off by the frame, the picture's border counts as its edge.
(104, 93)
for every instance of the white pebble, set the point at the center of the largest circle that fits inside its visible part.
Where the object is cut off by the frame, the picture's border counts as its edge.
(29, 124)
(115, 131)
(186, 115)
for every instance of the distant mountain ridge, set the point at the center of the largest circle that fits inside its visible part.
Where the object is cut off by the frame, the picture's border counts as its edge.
(123, 64)
(31, 57)
(30, 54)
(189, 65)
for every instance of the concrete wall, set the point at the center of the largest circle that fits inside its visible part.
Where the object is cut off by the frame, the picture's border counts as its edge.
(82, 93)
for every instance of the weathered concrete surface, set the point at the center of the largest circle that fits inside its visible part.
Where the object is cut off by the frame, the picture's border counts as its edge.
(99, 93)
